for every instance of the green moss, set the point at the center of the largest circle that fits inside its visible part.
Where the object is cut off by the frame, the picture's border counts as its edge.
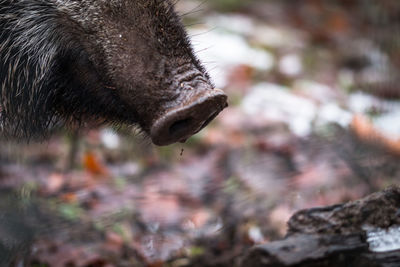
(70, 211)
(196, 251)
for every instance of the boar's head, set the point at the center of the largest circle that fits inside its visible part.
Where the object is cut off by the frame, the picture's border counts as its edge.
(114, 61)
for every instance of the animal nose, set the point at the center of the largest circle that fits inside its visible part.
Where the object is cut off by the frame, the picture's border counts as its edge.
(178, 124)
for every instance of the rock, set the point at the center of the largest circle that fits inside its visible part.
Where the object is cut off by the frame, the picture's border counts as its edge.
(365, 232)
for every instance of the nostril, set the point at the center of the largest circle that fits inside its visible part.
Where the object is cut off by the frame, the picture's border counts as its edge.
(212, 116)
(180, 125)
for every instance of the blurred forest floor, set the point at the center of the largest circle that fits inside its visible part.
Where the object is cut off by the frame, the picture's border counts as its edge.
(313, 121)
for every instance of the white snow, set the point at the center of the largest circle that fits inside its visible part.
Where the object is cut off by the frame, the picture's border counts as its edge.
(275, 102)
(109, 138)
(383, 240)
(220, 51)
(291, 65)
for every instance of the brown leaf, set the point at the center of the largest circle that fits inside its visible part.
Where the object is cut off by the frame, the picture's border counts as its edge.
(69, 197)
(338, 22)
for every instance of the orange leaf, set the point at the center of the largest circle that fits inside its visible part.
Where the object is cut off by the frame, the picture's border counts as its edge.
(69, 197)
(366, 131)
(93, 165)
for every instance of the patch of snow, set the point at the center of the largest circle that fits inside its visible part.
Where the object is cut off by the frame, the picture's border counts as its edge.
(291, 65)
(275, 102)
(220, 51)
(332, 113)
(109, 138)
(383, 240)
(256, 235)
(361, 103)
(389, 123)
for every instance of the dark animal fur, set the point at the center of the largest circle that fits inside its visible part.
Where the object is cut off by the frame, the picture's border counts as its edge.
(123, 61)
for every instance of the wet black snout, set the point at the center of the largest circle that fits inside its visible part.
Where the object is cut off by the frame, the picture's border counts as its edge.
(180, 123)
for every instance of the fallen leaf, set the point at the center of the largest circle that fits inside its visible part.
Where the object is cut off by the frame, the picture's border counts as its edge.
(366, 131)
(93, 165)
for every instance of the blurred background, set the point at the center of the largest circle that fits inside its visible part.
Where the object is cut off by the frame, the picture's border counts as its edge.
(314, 120)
